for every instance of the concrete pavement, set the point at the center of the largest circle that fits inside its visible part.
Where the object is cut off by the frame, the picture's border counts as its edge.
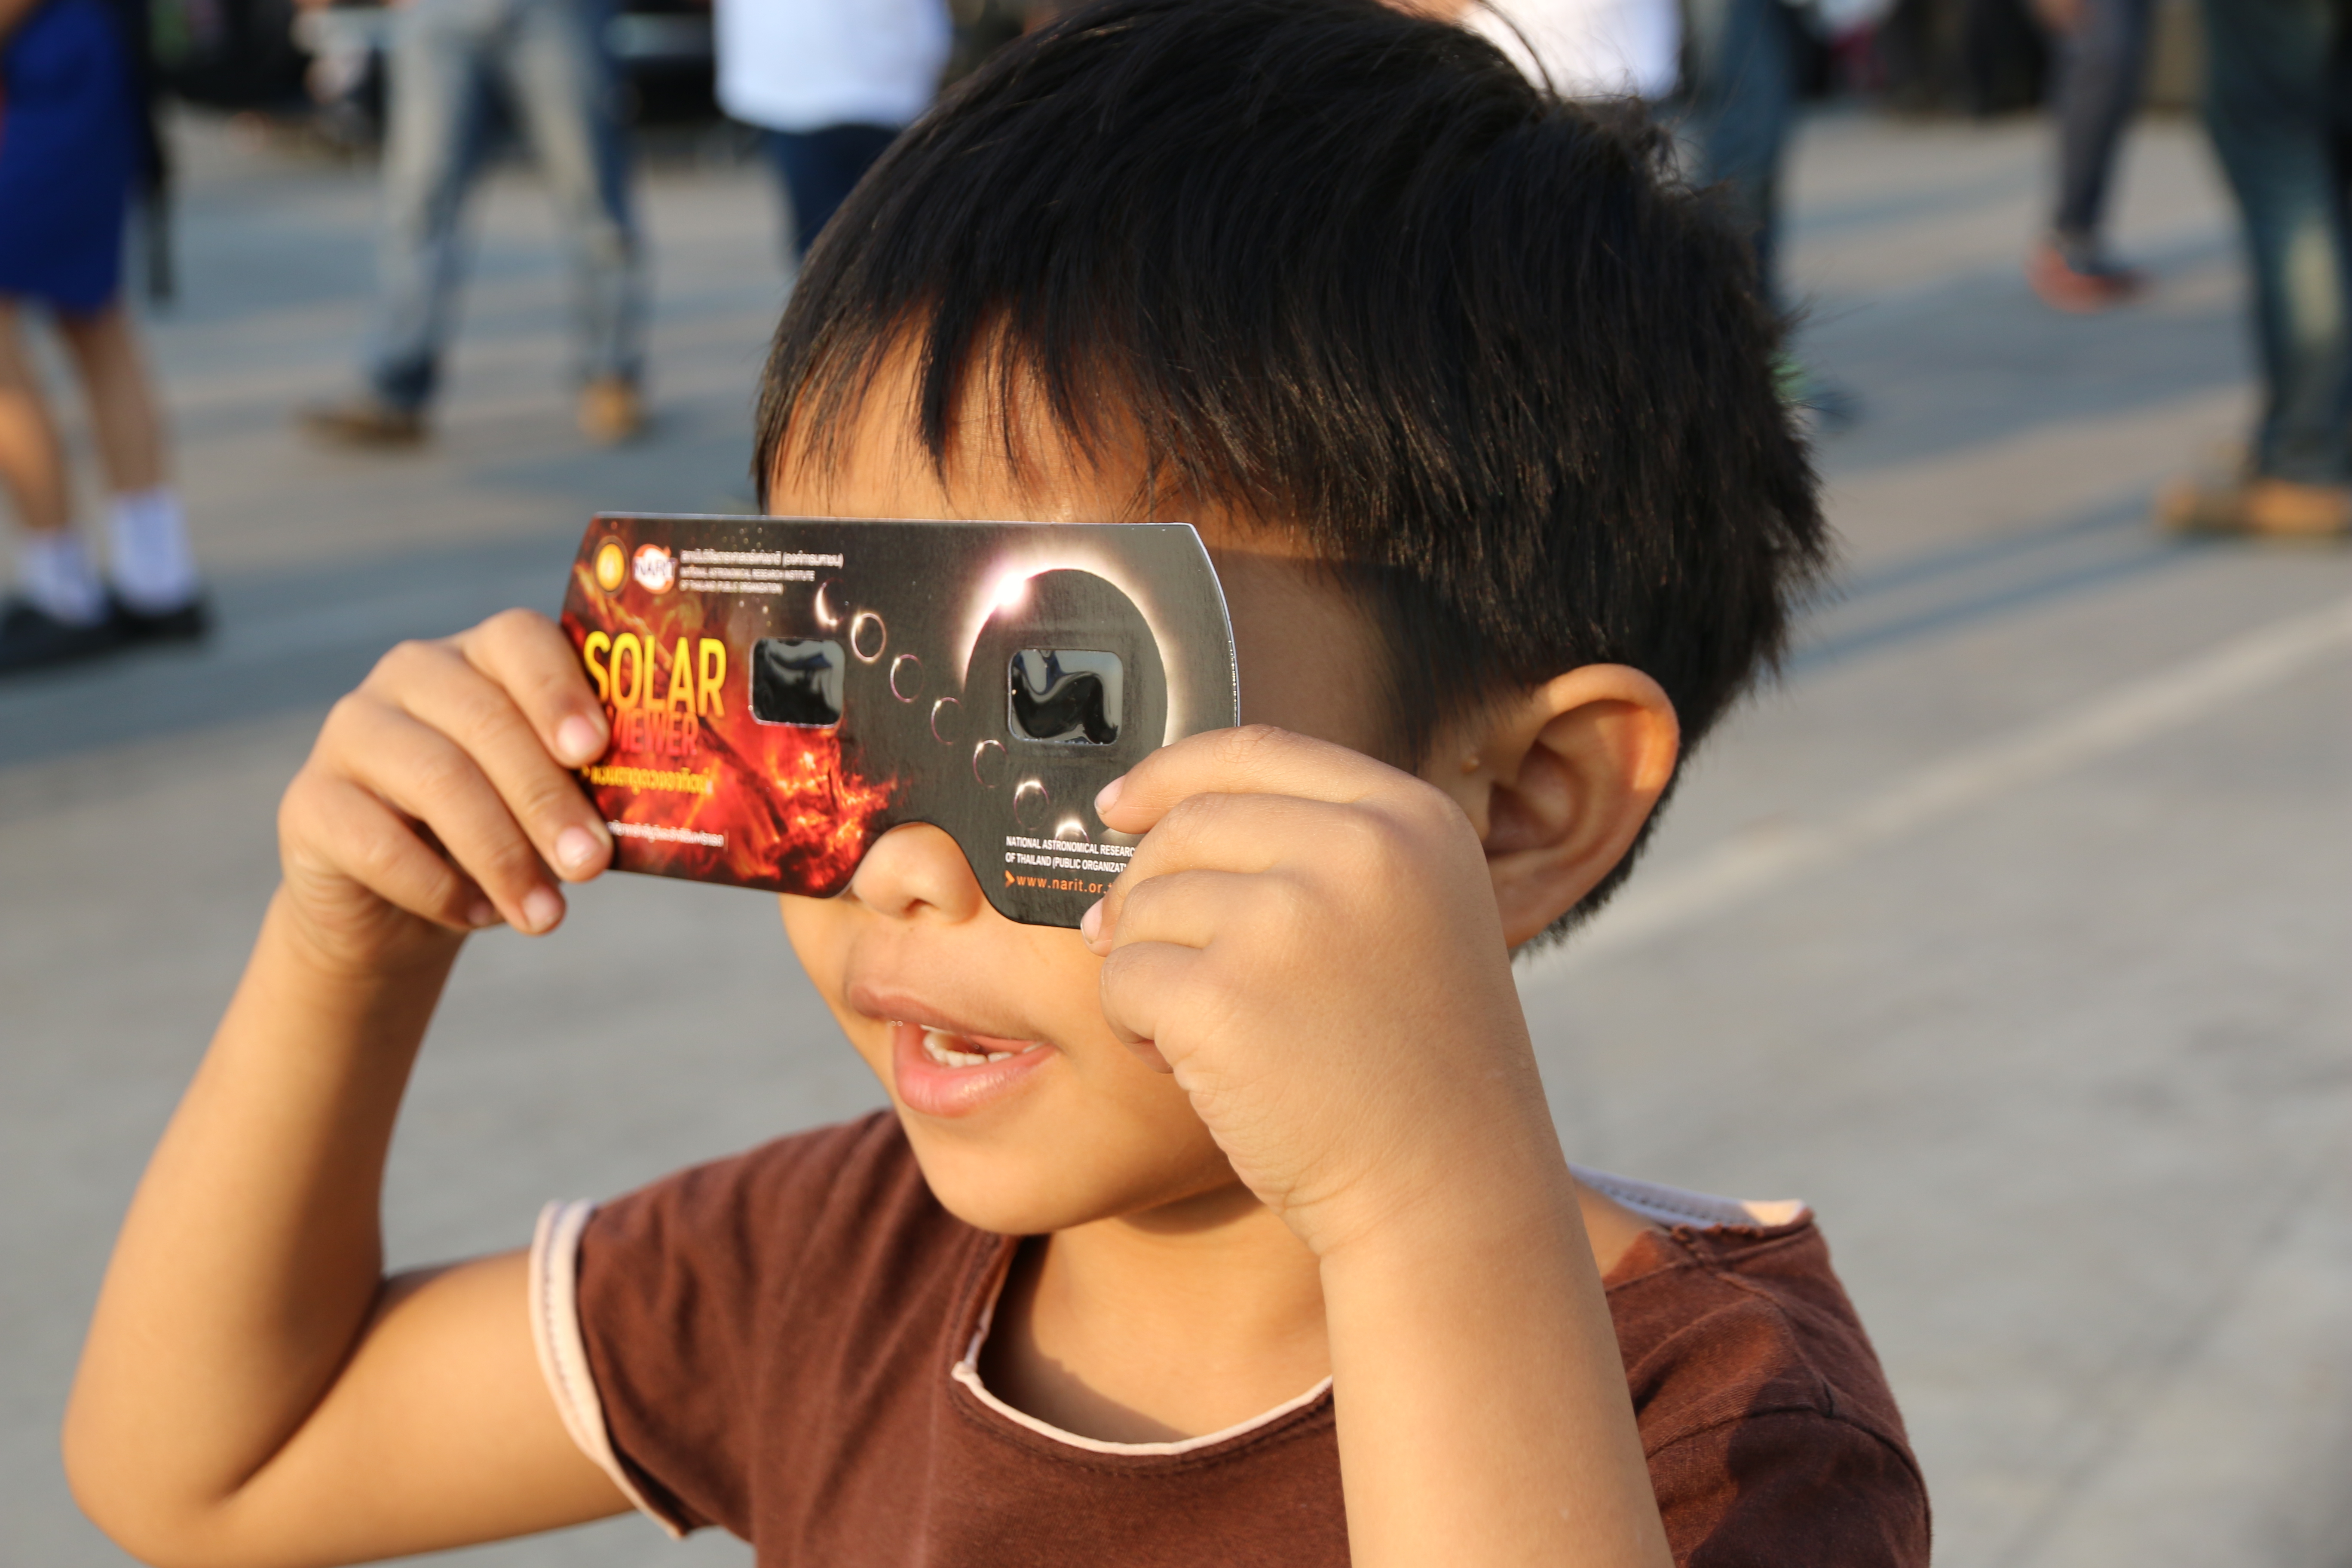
(2009, 931)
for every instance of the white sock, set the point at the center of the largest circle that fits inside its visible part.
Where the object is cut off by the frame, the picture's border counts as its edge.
(152, 567)
(54, 572)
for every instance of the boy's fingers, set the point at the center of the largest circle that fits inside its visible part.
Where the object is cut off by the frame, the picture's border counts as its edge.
(1142, 986)
(423, 773)
(1148, 1053)
(530, 657)
(1241, 833)
(372, 844)
(1231, 832)
(479, 714)
(1255, 759)
(1183, 909)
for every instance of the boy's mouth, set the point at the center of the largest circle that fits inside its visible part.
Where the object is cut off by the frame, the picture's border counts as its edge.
(953, 1051)
(953, 1072)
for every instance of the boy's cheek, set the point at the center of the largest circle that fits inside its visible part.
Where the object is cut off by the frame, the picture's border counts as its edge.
(820, 940)
(820, 931)
(1101, 1135)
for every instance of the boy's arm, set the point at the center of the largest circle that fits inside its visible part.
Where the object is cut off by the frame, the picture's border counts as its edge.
(253, 1390)
(1311, 941)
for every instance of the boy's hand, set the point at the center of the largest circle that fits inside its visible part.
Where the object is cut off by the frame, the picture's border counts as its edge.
(437, 797)
(1309, 940)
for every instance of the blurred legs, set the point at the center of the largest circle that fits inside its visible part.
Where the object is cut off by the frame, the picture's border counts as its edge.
(148, 555)
(1742, 98)
(2274, 104)
(564, 87)
(32, 461)
(2102, 64)
(124, 414)
(433, 146)
(60, 608)
(819, 169)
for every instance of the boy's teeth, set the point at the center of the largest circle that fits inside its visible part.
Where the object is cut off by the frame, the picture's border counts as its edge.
(936, 1047)
(942, 1048)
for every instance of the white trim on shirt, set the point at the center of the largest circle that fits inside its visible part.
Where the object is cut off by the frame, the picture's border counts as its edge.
(563, 1351)
(556, 1332)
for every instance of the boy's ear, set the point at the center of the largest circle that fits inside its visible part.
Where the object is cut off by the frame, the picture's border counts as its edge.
(1559, 781)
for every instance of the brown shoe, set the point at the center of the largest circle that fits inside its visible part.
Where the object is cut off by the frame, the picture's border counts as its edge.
(362, 419)
(609, 411)
(2083, 288)
(2256, 508)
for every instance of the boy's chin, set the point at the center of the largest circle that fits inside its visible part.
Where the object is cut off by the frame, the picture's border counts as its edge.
(1040, 1189)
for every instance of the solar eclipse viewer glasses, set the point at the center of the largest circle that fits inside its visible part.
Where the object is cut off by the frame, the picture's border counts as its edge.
(783, 690)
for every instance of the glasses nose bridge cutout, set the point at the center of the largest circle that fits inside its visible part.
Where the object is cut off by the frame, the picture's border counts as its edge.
(915, 867)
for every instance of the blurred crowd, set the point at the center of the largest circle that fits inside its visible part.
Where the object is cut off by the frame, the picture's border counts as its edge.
(825, 86)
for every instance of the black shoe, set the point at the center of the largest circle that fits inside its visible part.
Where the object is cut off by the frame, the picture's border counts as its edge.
(31, 638)
(191, 622)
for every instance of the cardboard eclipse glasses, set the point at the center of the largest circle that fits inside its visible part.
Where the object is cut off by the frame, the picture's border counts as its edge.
(783, 690)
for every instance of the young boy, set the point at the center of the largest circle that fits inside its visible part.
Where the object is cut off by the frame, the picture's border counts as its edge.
(1232, 1228)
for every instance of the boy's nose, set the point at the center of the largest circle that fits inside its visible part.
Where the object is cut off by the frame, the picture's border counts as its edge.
(916, 867)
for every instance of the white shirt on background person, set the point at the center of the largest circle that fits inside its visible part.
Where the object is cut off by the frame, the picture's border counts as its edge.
(803, 65)
(1588, 49)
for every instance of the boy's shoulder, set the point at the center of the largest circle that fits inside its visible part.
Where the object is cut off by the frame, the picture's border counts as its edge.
(1753, 1379)
(813, 1275)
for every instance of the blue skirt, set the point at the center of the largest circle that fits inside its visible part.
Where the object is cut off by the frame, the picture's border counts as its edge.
(68, 154)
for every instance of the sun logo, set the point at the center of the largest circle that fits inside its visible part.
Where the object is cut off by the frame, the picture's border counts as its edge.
(654, 568)
(612, 565)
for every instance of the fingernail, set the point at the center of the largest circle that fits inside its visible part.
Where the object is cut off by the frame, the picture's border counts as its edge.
(578, 740)
(1091, 921)
(541, 909)
(577, 848)
(1108, 797)
(484, 913)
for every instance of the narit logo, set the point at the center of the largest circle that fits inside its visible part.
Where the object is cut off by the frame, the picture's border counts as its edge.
(656, 569)
(612, 565)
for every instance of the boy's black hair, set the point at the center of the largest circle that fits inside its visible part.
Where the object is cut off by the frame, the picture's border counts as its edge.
(1346, 272)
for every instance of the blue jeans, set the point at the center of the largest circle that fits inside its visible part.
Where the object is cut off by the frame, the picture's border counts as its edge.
(2278, 104)
(551, 56)
(1741, 100)
(2100, 69)
(819, 169)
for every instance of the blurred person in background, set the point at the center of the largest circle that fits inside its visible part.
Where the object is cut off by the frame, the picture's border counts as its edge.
(1741, 60)
(72, 149)
(1596, 50)
(1740, 87)
(1737, 63)
(828, 84)
(2278, 105)
(552, 58)
(2101, 48)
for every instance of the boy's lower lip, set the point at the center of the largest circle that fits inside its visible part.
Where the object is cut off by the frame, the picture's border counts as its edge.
(934, 1087)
